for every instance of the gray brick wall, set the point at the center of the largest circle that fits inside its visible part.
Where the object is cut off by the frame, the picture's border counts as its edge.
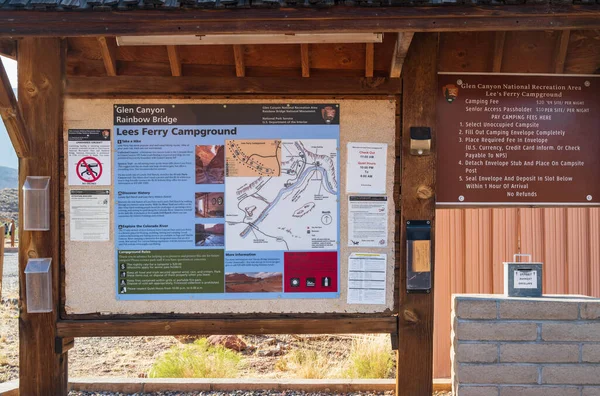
(525, 346)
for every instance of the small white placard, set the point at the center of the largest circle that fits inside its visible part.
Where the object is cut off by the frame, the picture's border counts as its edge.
(367, 221)
(90, 215)
(525, 279)
(89, 157)
(366, 168)
(367, 278)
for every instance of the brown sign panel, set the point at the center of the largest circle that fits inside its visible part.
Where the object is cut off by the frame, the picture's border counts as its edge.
(518, 140)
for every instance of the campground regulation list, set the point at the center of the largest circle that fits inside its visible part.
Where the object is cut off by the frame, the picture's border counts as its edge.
(518, 139)
(226, 201)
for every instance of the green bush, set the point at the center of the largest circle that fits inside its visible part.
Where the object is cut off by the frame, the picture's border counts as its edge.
(370, 357)
(197, 360)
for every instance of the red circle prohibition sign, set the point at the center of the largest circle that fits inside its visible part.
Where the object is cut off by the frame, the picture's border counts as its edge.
(90, 167)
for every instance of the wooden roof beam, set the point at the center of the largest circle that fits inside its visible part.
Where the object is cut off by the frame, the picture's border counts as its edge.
(305, 59)
(238, 54)
(499, 40)
(560, 51)
(403, 41)
(108, 48)
(8, 48)
(369, 59)
(174, 60)
(11, 115)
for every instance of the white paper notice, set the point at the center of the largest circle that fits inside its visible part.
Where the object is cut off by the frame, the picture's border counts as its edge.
(89, 157)
(366, 278)
(366, 168)
(367, 221)
(525, 280)
(90, 215)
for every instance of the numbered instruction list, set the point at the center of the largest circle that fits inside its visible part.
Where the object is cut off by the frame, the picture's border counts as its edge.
(511, 139)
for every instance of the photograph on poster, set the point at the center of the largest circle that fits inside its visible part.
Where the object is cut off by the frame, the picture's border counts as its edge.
(210, 234)
(209, 204)
(253, 282)
(210, 164)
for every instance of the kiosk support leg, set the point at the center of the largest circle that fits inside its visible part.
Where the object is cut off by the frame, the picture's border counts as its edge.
(414, 375)
(42, 371)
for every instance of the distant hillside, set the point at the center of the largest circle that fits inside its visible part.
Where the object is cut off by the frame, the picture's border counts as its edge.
(9, 204)
(9, 178)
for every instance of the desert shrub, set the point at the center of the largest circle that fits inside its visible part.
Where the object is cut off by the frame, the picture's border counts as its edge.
(305, 363)
(370, 357)
(197, 360)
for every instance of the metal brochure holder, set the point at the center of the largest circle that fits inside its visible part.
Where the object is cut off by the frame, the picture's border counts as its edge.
(418, 256)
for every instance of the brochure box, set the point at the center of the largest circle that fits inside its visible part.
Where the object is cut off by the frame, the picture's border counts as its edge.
(36, 203)
(38, 283)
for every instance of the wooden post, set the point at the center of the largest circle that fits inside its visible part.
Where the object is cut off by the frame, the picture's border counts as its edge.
(42, 371)
(415, 332)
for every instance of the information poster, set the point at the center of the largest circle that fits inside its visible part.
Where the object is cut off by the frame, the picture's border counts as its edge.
(89, 157)
(367, 221)
(518, 139)
(366, 169)
(236, 201)
(366, 278)
(90, 215)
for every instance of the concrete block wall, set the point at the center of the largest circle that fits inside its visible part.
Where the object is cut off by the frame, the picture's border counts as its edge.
(525, 346)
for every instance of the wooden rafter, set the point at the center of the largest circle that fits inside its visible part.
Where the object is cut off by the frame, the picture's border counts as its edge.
(400, 50)
(11, 115)
(369, 59)
(560, 52)
(305, 59)
(267, 21)
(108, 48)
(240, 67)
(8, 48)
(499, 40)
(174, 60)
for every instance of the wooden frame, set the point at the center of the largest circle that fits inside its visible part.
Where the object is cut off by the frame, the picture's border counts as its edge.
(332, 20)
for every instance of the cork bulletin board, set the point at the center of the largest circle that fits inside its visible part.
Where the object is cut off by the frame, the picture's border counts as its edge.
(90, 275)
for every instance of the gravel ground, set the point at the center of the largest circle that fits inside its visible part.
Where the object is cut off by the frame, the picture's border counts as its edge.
(244, 393)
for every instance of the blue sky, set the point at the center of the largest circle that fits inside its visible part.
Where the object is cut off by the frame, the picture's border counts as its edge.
(7, 154)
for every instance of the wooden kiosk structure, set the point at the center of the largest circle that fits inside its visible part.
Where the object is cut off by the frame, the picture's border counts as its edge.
(67, 49)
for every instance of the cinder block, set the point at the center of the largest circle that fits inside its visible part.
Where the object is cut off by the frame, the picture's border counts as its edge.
(591, 391)
(580, 374)
(496, 331)
(571, 331)
(469, 373)
(476, 353)
(590, 310)
(591, 353)
(476, 309)
(539, 310)
(477, 391)
(538, 391)
(539, 353)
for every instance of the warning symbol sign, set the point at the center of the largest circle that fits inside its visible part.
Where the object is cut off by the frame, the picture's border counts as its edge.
(89, 169)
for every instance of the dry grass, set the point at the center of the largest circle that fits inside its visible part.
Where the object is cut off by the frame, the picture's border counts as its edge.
(370, 357)
(197, 360)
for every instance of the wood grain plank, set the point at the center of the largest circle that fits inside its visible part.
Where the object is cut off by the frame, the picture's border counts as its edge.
(15, 23)
(560, 52)
(174, 60)
(8, 48)
(369, 59)
(403, 41)
(415, 353)
(146, 327)
(108, 49)
(305, 59)
(125, 85)
(12, 117)
(238, 54)
(40, 74)
(498, 51)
